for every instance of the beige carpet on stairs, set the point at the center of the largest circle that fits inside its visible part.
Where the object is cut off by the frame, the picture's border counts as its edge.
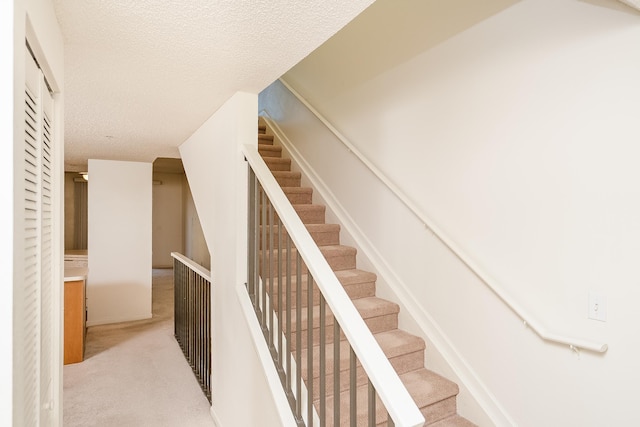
(433, 394)
(134, 374)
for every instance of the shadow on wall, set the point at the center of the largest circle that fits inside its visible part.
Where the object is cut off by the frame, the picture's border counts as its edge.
(616, 5)
(418, 25)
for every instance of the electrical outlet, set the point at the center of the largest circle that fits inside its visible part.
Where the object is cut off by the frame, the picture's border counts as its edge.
(597, 306)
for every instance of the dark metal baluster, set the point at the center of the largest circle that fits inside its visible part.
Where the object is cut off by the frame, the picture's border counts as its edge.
(256, 240)
(272, 259)
(190, 317)
(372, 405)
(336, 372)
(390, 422)
(280, 286)
(353, 402)
(323, 368)
(198, 330)
(298, 336)
(251, 233)
(265, 264)
(310, 348)
(289, 306)
(208, 338)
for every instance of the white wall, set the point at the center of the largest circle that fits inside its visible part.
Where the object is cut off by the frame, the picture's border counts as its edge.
(120, 211)
(167, 218)
(518, 137)
(195, 245)
(12, 62)
(217, 175)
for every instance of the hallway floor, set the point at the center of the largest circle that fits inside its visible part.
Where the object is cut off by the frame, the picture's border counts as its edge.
(134, 373)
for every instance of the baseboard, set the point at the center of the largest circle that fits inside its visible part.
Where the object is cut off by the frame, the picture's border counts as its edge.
(214, 417)
(111, 320)
(428, 327)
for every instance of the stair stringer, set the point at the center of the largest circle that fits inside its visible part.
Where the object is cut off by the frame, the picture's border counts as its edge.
(475, 400)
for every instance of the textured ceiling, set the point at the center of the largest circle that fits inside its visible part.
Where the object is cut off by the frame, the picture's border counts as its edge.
(142, 75)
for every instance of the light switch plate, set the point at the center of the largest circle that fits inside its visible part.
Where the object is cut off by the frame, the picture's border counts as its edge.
(597, 306)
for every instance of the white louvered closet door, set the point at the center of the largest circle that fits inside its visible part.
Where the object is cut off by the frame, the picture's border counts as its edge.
(46, 257)
(37, 301)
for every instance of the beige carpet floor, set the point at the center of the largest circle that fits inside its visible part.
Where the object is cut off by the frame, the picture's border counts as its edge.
(134, 373)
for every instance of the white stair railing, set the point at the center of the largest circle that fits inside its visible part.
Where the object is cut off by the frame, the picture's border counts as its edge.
(283, 261)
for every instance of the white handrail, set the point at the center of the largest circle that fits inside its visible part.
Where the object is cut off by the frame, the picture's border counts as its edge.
(528, 319)
(203, 272)
(394, 395)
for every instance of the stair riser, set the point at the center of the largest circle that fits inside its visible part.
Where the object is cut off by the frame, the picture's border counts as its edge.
(337, 261)
(309, 214)
(401, 364)
(375, 324)
(279, 165)
(359, 290)
(297, 197)
(288, 181)
(269, 150)
(265, 139)
(321, 237)
(440, 410)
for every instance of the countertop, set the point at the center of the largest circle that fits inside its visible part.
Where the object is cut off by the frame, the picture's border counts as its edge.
(75, 273)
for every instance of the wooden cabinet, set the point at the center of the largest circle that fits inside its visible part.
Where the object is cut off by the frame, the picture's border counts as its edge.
(74, 319)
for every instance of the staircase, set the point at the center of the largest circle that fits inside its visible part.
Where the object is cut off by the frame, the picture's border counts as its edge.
(433, 394)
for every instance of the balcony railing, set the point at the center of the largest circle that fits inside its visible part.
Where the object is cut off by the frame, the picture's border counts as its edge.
(192, 317)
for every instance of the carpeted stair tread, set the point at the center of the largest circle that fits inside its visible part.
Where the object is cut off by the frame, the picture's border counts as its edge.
(265, 139)
(394, 343)
(298, 195)
(354, 276)
(269, 150)
(322, 234)
(369, 307)
(311, 213)
(453, 421)
(339, 257)
(347, 278)
(287, 178)
(433, 394)
(360, 286)
(277, 163)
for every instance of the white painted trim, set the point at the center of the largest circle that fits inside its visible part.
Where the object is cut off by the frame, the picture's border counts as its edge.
(429, 327)
(214, 416)
(271, 375)
(112, 320)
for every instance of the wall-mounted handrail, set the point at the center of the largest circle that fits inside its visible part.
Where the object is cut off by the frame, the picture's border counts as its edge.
(395, 397)
(527, 318)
